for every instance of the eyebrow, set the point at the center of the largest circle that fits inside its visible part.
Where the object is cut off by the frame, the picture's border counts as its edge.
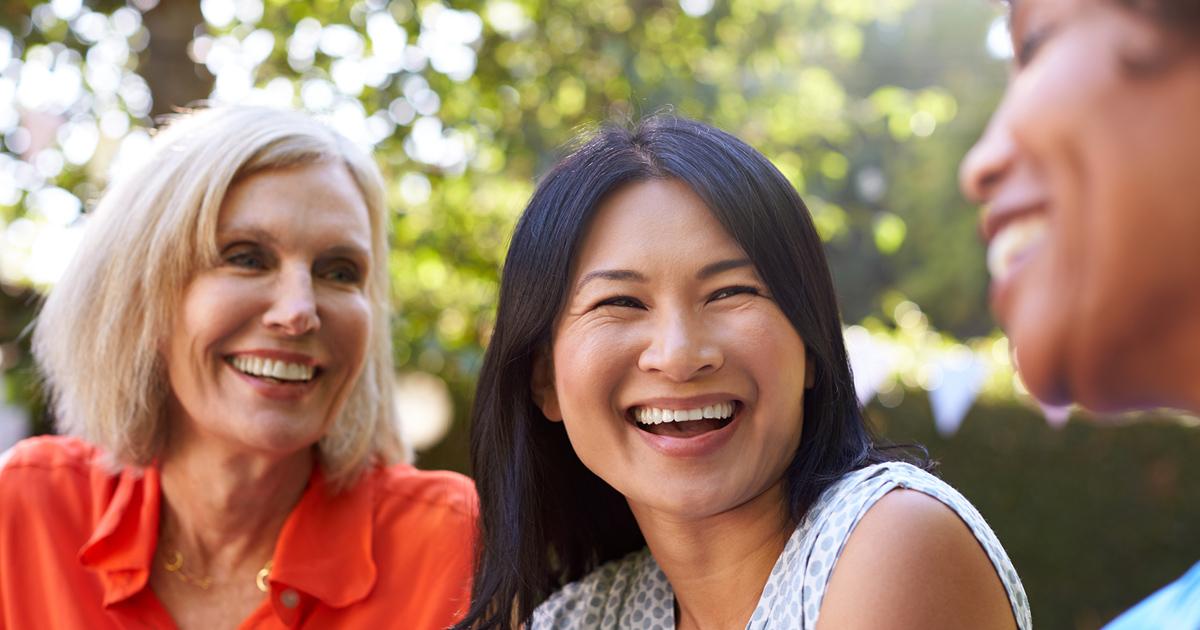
(235, 234)
(721, 266)
(616, 275)
(629, 275)
(348, 251)
(1015, 11)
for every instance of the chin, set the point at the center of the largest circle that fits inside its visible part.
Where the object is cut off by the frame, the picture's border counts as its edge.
(669, 498)
(1105, 391)
(1047, 390)
(283, 440)
(1040, 366)
(1090, 378)
(693, 502)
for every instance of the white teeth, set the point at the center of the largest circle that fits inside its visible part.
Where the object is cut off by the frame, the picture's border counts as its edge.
(1013, 241)
(278, 370)
(654, 415)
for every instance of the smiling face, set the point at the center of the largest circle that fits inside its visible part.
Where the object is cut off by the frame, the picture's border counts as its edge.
(267, 345)
(679, 379)
(1088, 170)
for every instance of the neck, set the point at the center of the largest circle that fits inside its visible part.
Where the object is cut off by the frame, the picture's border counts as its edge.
(717, 565)
(223, 509)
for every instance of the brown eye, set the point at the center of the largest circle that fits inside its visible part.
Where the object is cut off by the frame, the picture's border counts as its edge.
(1029, 45)
(246, 258)
(621, 301)
(343, 272)
(732, 291)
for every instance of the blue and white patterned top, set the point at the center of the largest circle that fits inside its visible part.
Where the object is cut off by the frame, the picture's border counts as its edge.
(633, 593)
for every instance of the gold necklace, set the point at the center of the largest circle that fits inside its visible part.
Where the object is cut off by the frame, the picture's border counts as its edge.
(174, 566)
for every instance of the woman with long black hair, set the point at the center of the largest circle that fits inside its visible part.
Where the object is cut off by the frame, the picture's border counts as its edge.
(666, 432)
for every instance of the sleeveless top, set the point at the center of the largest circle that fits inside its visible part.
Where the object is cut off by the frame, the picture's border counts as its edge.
(633, 592)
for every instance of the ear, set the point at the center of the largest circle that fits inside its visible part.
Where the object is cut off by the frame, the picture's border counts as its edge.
(810, 371)
(542, 386)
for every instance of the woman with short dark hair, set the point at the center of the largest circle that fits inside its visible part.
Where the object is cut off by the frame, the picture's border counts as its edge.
(667, 371)
(1088, 170)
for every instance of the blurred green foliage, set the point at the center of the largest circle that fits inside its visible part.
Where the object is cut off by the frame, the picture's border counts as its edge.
(821, 87)
(856, 102)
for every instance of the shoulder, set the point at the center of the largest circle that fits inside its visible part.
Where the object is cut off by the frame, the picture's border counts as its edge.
(403, 486)
(848, 499)
(920, 555)
(58, 476)
(52, 461)
(887, 474)
(624, 587)
(440, 508)
(48, 452)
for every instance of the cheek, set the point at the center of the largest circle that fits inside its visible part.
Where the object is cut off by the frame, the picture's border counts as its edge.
(767, 348)
(1058, 101)
(589, 366)
(766, 343)
(209, 311)
(581, 376)
(349, 324)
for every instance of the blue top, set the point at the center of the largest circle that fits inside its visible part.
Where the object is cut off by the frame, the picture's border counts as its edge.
(1175, 607)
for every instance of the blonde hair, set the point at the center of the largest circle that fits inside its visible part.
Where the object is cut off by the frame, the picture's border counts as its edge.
(98, 335)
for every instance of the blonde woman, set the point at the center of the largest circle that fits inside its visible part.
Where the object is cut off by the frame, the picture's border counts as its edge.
(219, 361)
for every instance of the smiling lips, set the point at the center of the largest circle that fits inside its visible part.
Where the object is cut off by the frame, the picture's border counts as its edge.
(1013, 242)
(277, 370)
(684, 423)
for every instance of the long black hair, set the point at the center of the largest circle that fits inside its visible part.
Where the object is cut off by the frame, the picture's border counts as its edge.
(545, 518)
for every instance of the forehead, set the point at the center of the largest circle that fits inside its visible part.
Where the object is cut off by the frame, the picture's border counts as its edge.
(654, 219)
(1018, 9)
(320, 197)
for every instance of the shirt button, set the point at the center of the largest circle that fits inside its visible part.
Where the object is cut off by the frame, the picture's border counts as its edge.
(289, 598)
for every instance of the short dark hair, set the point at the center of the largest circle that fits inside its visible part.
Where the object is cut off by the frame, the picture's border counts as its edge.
(1180, 16)
(1174, 15)
(545, 518)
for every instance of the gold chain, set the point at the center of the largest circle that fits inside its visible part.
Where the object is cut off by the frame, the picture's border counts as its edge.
(174, 565)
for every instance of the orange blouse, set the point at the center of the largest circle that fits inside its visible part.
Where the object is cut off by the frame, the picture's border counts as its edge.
(77, 542)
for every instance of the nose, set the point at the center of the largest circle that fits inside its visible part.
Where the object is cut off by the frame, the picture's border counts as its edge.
(989, 161)
(682, 348)
(293, 309)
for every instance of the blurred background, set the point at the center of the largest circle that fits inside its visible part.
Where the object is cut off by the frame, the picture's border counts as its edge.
(867, 106)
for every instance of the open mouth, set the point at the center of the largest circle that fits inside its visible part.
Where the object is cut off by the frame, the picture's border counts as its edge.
(1013, 243)
(684, 423)
(274, 371)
